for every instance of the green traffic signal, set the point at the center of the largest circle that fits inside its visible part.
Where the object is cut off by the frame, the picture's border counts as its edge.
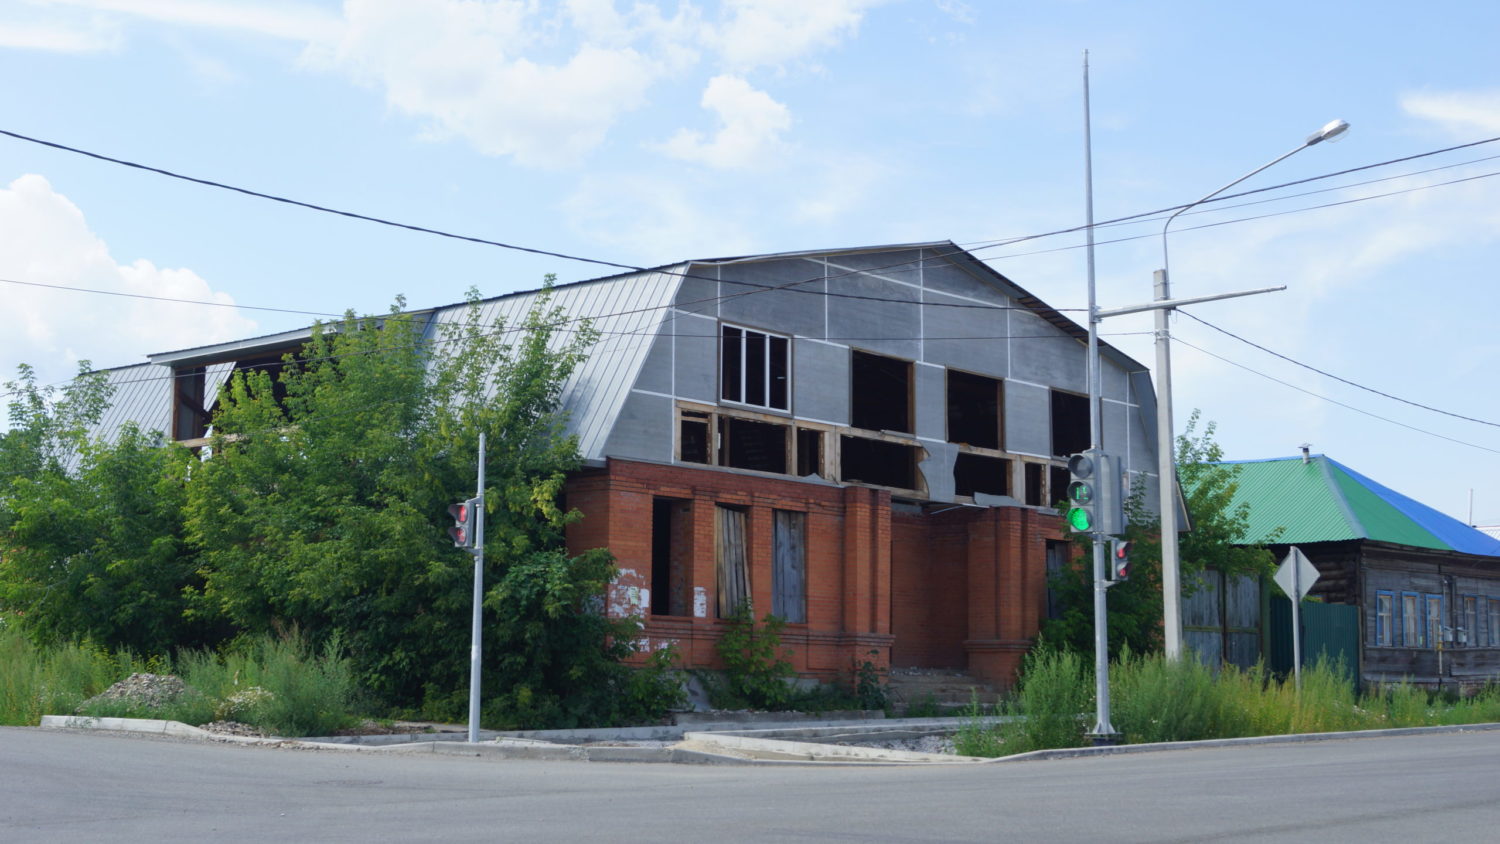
(1080, 519)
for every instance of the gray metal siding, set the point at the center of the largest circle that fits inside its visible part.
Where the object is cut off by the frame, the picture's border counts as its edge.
(643, 429)
(1042, 354)
(820, 382)
(931, 402)
(1028, 418)
(797, 308)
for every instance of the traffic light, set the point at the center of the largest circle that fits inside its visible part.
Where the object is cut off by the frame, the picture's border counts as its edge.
(1109, 495)
(1119, 560)
(1082, 512)
(465, 515)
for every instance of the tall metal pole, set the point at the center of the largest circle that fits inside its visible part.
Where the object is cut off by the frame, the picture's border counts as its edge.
(476, 645)
(1104, 731)
(1171, 587)
(1165, 442)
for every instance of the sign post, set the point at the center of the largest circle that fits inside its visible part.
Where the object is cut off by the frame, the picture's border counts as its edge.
(1296, 576)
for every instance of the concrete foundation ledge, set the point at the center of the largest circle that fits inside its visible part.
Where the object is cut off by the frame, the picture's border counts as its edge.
(757, 747)
(129, 725)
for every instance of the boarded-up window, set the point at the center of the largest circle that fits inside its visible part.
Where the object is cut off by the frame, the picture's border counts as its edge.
(789, 567)
(733, 574)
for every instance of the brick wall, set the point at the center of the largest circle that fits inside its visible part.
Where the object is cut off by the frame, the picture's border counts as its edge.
(964, 587)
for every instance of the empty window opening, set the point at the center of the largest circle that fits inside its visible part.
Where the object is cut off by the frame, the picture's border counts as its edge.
(189, 414)
(809, 452)
(976, 473)
(878, 462)
(755, 368)
(1070, 423)
(789, 567)
(693, 437)
(669, 558)
(881, 393)
(731, 573)
(1036, 496)
(1057, 484)
(1057, 564)
(746, 444)
(973, 410)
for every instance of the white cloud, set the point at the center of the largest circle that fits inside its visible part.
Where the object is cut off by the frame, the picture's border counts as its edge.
(466, 69)
(48, 241)
(760, 33)
(647, 218)
(90, 36)
(750, 126)
(287, 20)
(1460, 112)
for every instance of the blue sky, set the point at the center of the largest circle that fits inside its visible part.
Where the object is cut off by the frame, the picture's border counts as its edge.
(644, 133)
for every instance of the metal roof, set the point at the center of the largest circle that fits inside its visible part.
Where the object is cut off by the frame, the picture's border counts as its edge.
(1322, 500)
(626, 310)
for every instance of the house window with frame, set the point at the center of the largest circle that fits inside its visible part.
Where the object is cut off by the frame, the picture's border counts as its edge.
(1494, 637)
(755, 368)
(1434, 618)
(1470, 621)
(1385, 608)
(1412, 628)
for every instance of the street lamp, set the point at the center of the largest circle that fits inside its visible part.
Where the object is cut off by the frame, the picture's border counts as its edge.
(1171, 583)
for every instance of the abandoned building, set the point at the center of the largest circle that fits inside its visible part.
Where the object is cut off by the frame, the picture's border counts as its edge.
(865, 442)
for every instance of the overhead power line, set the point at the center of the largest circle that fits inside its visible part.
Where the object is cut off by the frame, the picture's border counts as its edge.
(1255, 371)
(1341, 380)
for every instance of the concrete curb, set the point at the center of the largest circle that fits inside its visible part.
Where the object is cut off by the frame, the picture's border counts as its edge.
(1293, 738)
(777, 745)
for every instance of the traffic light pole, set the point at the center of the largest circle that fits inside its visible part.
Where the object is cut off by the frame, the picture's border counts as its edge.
(1103, 731)
(476, 645)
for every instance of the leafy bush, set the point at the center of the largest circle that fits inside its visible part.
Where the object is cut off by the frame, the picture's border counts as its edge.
(756, 668)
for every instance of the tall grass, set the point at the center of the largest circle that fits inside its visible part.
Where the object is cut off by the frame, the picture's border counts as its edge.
(1154, 699)
(278, 684)
(1047, 711)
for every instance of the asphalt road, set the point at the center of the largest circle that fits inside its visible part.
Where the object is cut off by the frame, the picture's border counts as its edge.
(65, 786)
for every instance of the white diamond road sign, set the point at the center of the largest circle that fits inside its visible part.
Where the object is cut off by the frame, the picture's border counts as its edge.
(1306, 574)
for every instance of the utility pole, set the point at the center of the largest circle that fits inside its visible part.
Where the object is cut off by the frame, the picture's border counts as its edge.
(476, 646)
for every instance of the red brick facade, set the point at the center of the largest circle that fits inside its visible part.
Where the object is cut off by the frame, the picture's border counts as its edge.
(956, 587)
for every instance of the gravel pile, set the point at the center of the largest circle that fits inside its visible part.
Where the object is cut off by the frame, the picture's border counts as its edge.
(235, 728)
(924, 744)
(151, 690)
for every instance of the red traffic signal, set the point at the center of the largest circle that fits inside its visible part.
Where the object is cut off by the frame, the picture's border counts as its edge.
(464, 516)
(1119, 560)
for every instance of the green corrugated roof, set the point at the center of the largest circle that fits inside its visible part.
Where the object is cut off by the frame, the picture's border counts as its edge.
(1322, 500)
(1293, 496)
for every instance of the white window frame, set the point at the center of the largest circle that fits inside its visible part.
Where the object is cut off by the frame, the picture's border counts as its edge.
(744, 345)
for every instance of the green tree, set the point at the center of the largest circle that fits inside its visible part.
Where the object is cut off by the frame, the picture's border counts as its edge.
(91, 536)
(322, 509)
(1135, 606)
